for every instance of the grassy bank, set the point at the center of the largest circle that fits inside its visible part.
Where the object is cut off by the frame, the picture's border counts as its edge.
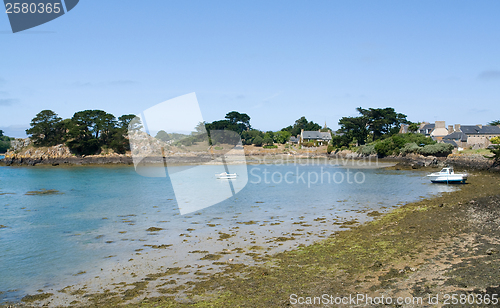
(443, 244)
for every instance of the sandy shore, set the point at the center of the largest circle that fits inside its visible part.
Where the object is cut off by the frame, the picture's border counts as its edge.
(434, 247)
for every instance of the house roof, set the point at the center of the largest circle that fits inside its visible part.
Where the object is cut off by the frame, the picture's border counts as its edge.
(456, 136)
(294, 139)
(310, 135)
(316, 135)
(474, 129)
(490, 130)
(326, 135)
(426, 127)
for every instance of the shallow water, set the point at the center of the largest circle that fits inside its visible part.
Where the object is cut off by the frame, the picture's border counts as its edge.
(99, 219)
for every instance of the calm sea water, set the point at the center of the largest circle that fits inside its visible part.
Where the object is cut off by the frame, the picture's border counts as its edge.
(101, 215)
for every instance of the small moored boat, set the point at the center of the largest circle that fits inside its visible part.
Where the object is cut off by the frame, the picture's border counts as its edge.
(448, 175)
(225, 175)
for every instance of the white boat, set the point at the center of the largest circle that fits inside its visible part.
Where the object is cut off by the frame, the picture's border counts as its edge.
(448, 175)
(225, 175)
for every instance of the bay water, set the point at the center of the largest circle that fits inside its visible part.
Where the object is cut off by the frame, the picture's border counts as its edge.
(96, 219)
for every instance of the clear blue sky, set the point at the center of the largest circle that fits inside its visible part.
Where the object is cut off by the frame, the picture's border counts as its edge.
(275, 60)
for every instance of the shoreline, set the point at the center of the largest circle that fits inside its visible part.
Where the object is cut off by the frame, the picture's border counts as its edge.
(385, 249)
(460, 162)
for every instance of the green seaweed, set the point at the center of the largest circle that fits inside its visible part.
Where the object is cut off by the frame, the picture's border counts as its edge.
(43, 192)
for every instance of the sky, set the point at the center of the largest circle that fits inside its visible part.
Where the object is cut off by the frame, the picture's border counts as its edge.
(274, 60)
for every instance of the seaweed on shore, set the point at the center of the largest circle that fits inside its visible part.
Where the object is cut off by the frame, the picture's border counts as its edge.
(43, 192)
(153, 229)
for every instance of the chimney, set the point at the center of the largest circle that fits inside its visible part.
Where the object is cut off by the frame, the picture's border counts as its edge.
(450, 129)
(440, 124)
(480, 126)
(457, 128)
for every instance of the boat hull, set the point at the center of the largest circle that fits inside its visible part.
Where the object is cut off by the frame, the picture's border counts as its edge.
(448, 179)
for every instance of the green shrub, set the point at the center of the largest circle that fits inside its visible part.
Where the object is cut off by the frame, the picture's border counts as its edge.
(270, 146)
(394, 144)
(410, 148)
(496, 154)
(438, 149)
(367, 149)
(495, 140)
(308, 144)
(386, 147)
(258, 141)
(4, 146)
(329, 149)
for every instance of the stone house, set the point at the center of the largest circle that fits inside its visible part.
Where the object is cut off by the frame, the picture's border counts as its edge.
(319, 137)
(474, 136)
(435, 130)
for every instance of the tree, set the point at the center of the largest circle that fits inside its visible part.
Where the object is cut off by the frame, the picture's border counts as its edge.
(249, 135)
(133, 124)
(119, 141)
(268, 139)
(258, 141)
(125, 120)
(377, 121)
(89, 130)
(200, 128)
(282, 136)
(495, 140)
(496, 154)
(353, 128)
(341, 140)
(4, 142)
(413, 127)
(4, 146)
(494, 123)
(107, 125)
(163, 136)
(235, 117)
(302, 124)
(46, 129)
(383, 121)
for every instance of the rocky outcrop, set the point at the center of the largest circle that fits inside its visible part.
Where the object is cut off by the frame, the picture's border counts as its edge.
(74, 160)
(416, 161)
(471, 162)
(461, 162)
(18, 143)
(22, 153)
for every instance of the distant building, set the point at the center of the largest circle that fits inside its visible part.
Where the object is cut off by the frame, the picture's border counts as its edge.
(426, 129)
(294, 139)
(322, 138)
(436, 131)
(475, 136)
(405, 128)
(439, 130)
